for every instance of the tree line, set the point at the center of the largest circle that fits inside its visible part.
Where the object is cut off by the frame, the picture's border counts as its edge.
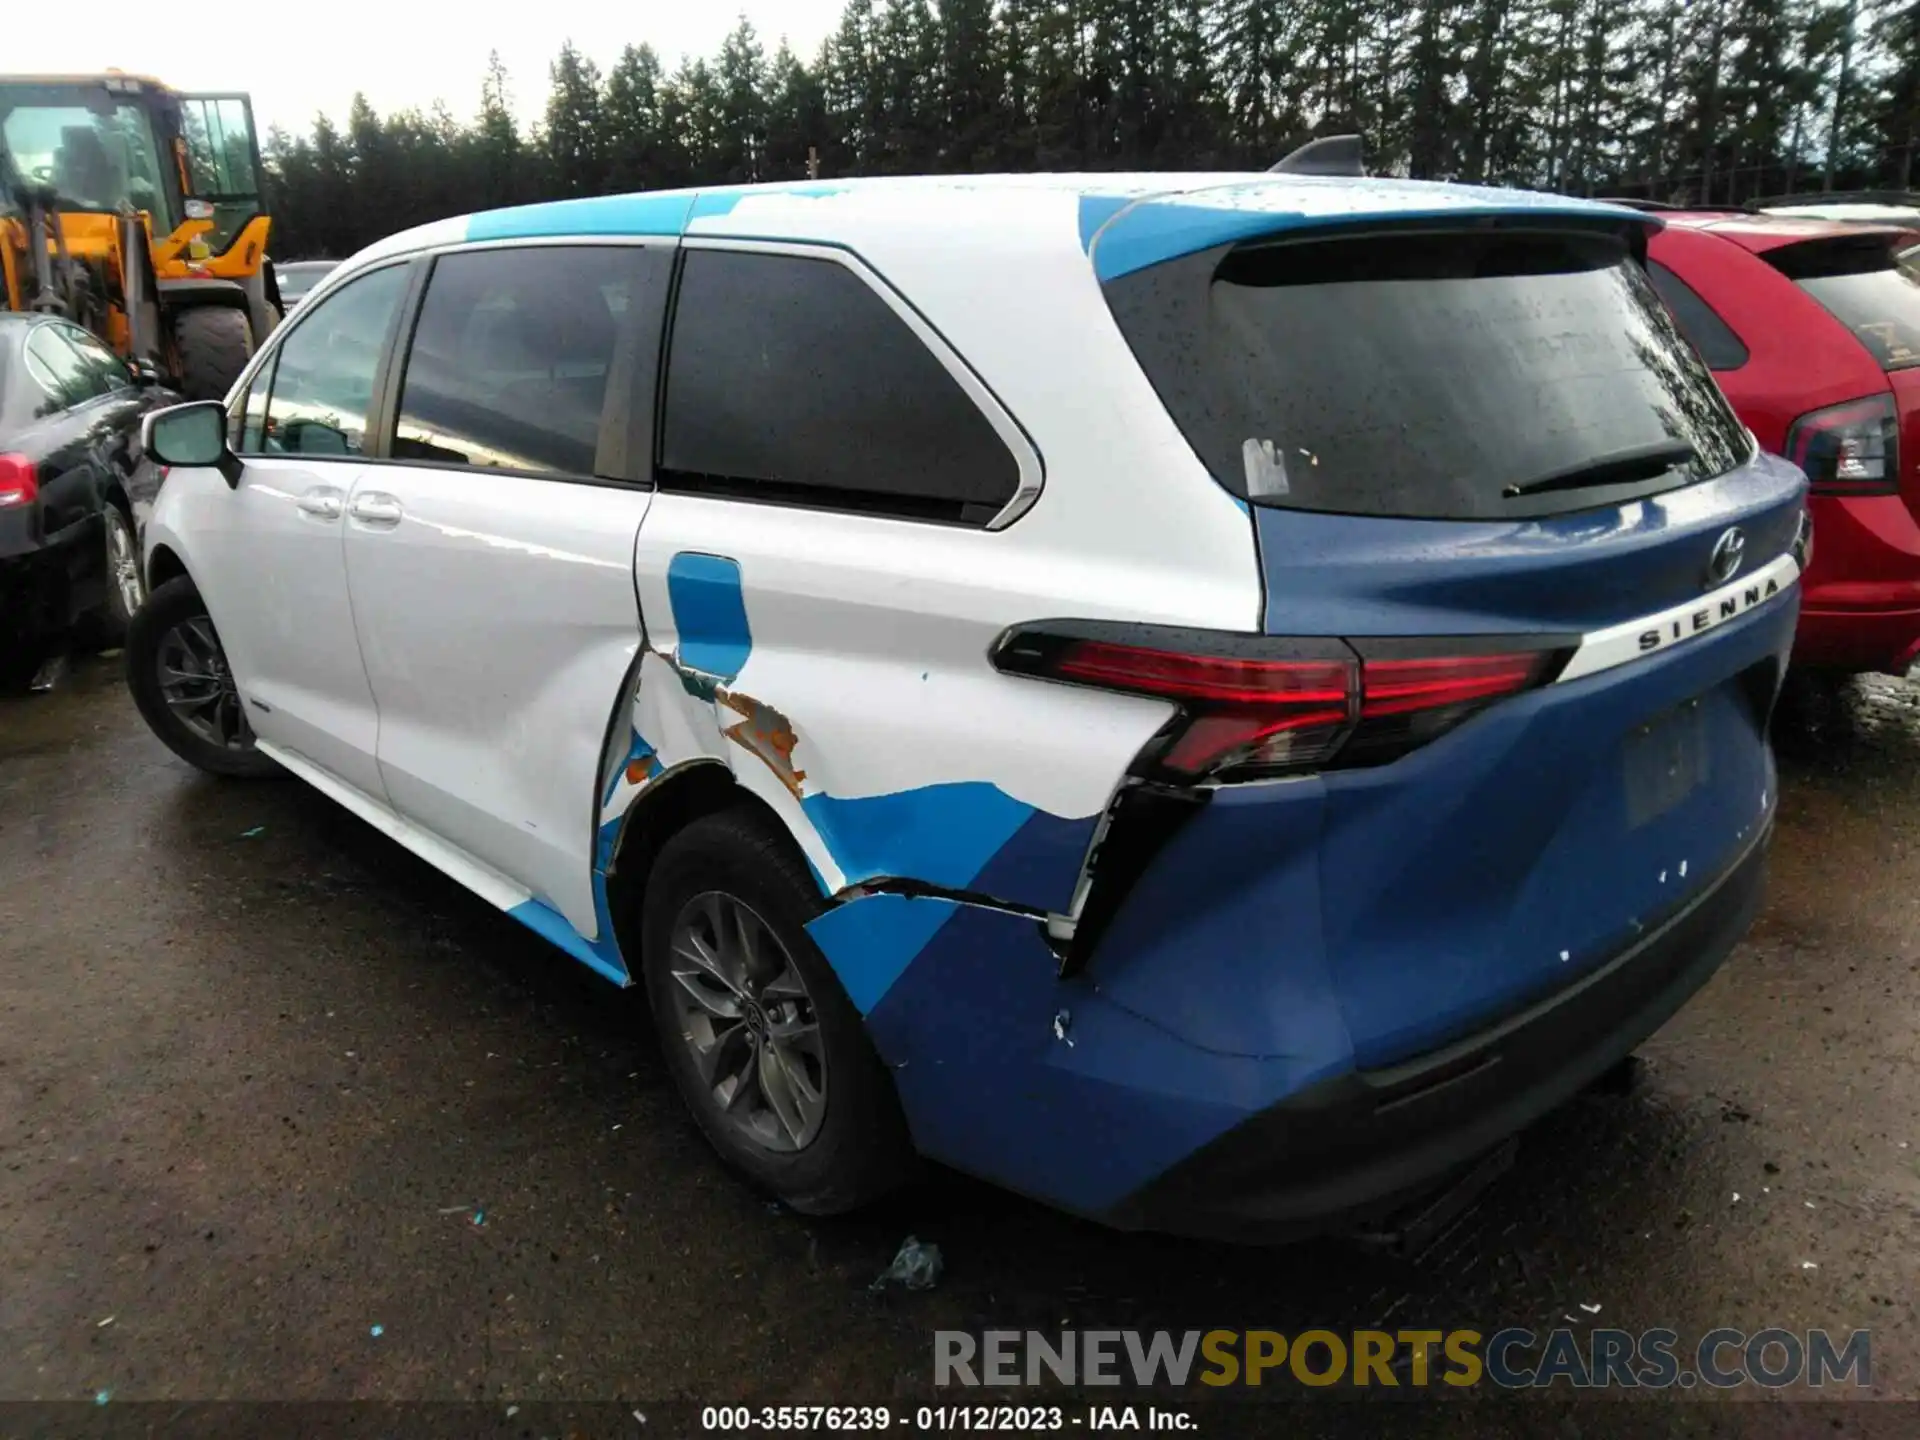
(1696, 101)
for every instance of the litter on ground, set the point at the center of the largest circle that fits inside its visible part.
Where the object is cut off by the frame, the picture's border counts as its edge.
(915, 1266)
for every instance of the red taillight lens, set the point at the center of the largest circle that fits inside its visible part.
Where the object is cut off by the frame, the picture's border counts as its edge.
(1407, 702)
(1849, 449)
(1315, 704)
(1242, 711)
(1397, 687)
(19, 485)
(1221, 680)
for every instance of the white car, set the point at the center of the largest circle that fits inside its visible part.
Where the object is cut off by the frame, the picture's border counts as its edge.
(1209, 700)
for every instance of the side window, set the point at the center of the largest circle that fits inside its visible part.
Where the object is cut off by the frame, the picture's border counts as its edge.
(109, 370)
(323, 372)
(790, 379)
(1698, 321)
(247, 425)
(511, 357)
(60, 370)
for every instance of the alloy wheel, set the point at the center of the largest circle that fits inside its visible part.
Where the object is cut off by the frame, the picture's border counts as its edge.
(748, 1022)
(123, 562)
(198, 687)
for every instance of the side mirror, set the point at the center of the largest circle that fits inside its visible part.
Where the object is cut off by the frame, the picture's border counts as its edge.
(194, 434)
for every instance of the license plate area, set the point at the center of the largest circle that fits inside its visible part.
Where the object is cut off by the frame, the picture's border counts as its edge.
(1667, 759)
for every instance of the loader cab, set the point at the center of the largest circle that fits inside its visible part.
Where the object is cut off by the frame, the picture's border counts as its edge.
(137, 213)
(108, 143)
(97, 149)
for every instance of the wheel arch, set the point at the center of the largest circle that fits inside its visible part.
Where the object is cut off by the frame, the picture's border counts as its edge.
(671, 801)
(163, 564)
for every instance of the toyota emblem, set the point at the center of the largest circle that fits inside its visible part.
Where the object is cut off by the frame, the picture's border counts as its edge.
(1728, 553)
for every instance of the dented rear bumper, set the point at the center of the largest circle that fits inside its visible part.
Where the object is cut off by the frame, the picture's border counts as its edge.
(1354, 1150)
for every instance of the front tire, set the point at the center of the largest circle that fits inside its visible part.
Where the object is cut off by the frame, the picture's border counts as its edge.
(180, 682)
(761, 1040)
(213, 344)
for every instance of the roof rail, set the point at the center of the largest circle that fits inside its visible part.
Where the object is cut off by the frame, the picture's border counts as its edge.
(1329, 155)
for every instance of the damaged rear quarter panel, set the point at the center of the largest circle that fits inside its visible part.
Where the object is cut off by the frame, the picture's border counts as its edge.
(876, 731)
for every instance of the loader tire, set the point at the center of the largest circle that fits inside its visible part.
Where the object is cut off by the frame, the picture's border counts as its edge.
(214, 344)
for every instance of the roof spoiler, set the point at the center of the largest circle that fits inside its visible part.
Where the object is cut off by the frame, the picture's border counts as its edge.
(1329, 155)
(1902, 198)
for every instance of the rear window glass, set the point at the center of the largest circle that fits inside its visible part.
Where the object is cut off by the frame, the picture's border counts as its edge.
(1437, 375)
(1865, 288)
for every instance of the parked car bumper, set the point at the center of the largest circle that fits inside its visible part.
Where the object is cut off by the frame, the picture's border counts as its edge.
(1361, 1148)
(1320, 997)
(1860, 599)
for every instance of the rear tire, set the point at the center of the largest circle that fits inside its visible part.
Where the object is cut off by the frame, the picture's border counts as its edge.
(851, 1144)
(178, 676)
(213, 344)
(107, 626)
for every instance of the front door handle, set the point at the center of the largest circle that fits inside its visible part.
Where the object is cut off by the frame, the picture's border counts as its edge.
(376, 509)
(323, 501)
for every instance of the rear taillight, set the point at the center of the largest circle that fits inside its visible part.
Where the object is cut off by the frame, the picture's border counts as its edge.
(1252, 708)
(19, 485)
(1849, 449)
(1405, 702)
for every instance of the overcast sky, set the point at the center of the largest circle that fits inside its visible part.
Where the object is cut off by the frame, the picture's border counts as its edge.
(298, 58)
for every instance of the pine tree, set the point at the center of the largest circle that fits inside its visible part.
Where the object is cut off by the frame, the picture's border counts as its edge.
(499, 161)
(1701, 100)
(967, 86)
(574, 137)
(630, 115)
(1896, 111)
(796, 116)
(740, 119)
(1256, 46)
(1193, 126)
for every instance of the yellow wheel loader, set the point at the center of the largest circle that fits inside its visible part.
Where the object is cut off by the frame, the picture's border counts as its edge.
(136, 211)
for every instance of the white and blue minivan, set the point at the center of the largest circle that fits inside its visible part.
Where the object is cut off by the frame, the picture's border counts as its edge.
(1209, 700)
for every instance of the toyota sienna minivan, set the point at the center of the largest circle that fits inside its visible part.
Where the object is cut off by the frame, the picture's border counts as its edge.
(1208, 700)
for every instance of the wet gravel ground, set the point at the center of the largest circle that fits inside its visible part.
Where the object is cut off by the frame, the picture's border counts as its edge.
(286, 1115)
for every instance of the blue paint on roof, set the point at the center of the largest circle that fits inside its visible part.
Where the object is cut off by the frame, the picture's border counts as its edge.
(1157, 228)
(710, 613)
(709, 203)
(659, 212)
(1095, 211)
(1126, 222)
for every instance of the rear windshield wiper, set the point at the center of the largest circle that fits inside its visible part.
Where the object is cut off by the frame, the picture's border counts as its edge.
(1619, 467)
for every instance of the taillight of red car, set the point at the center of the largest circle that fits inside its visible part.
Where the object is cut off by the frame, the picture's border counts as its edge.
(19, 484)
(1849, 449)
(1253, 707)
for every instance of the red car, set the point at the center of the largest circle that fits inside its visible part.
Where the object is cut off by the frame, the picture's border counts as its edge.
(1813, 330)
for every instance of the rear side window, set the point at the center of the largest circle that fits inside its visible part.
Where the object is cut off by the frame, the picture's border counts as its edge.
(511, 357)
(1698, 321)
(60, 369)
(109, 369)
(789, 379)
(1862, 284)
(1430, 375)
